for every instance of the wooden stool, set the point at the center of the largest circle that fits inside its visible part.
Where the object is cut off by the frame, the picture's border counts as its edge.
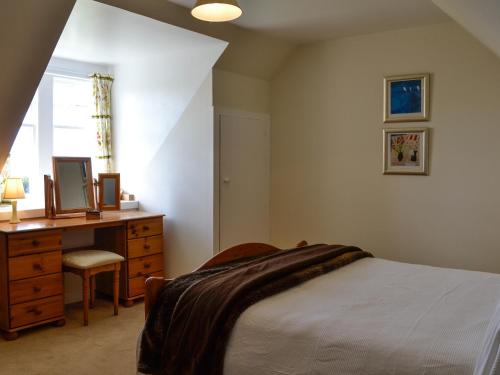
(87, 264)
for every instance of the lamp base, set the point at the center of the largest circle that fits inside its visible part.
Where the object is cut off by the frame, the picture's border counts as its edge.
(14, 219)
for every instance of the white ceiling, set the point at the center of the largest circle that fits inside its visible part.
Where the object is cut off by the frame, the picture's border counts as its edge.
(311, 20)
(103, 34)
(480, 17)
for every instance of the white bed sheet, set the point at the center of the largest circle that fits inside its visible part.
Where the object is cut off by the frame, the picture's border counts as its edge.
(371, 317)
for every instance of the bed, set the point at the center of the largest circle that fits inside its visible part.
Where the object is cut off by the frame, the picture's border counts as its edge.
(371, 316)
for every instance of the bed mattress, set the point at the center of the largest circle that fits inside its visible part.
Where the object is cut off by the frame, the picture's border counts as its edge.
(371, 317)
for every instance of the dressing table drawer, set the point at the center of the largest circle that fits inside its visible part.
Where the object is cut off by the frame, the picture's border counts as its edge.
(144, 228)
(145, 246)
(35, 265)
(137, 285)
(35, 288)
(31, 243)
(145, 266)
(36, 311)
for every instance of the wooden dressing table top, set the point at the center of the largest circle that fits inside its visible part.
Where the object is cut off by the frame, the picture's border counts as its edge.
(109, 218)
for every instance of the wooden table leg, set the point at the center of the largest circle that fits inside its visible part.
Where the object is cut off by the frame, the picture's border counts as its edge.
(116, 287)
(10, 336)
(86, 298)
(128, 303)
(92, 291)
(59, 323)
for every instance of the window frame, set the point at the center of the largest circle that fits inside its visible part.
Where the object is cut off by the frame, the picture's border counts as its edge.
(43, 130)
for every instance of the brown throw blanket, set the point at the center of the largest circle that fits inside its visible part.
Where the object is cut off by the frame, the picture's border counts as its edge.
(188, 329)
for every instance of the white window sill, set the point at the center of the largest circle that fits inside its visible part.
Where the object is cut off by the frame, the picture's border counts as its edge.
(30, 213)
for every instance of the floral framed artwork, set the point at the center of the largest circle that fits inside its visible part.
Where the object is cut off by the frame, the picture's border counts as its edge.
(406, 151)
(406, 98)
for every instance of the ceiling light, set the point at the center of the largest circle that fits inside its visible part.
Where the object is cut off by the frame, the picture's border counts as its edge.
(216, 10)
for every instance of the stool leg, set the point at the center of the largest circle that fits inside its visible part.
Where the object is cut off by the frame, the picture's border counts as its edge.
(86, 298)
(116, 287)
(92, 291)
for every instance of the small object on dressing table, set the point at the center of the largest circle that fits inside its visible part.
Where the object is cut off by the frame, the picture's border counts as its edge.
(14, 190)
(93, 215)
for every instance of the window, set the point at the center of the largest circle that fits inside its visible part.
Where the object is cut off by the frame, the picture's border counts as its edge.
(58, 122)
(23, 161)
(72, 124)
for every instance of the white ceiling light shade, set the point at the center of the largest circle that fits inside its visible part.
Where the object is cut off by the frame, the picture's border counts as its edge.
(216, 10)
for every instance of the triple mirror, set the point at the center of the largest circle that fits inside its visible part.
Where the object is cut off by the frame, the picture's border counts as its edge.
(73, 185)
(109, 191)
(72, 190)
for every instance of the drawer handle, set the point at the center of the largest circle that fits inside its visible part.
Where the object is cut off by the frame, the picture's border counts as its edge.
(147, 247)
(37, 289)
(132, 227)
(35, 243)
(37, 267)
(35, 310)
(145, 228)
(147, 266)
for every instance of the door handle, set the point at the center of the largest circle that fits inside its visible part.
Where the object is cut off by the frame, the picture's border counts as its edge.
(226, 180)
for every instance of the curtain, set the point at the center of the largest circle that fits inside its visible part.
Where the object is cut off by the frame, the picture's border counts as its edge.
(102, 116)
(4, 174)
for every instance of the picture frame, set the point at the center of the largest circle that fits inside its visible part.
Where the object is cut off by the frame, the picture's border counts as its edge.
(406, 151)
(406, 97)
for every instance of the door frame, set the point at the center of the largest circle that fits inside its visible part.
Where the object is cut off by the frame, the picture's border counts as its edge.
(218, 112)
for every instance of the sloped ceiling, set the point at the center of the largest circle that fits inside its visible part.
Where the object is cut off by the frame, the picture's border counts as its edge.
(250, 53)
(36, 26)
(30, 29)
(304, 21)
(479, 17)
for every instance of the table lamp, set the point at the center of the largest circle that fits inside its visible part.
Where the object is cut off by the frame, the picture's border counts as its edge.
(14, 190)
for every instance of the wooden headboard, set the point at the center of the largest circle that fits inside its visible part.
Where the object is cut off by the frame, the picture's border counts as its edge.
(247, 250)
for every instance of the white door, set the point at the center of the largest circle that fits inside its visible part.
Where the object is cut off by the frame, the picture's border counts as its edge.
(244, 179)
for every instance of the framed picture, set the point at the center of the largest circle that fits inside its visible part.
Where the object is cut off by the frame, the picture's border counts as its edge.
(406, 98)
(406, 151)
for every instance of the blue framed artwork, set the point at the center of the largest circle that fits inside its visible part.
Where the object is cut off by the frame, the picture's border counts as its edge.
(406, 98)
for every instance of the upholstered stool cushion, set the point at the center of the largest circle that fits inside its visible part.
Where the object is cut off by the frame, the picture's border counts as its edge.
(85, 259)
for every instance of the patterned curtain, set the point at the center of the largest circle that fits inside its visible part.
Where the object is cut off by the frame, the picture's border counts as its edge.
(102, 116)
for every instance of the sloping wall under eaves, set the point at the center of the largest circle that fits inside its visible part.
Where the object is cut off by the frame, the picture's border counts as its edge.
(481, 18)
(29, 30)
(249, 53)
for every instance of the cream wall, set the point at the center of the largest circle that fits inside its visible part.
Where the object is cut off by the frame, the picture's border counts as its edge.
(241, 92)
(179, 182)
(327, 184)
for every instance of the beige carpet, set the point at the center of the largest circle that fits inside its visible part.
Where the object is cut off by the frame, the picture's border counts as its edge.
(106, 346)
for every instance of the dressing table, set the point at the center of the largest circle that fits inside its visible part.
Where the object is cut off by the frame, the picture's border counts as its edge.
(31, 279)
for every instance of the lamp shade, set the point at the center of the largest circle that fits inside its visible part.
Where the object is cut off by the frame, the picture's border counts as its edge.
(14, 189)
(216, 10)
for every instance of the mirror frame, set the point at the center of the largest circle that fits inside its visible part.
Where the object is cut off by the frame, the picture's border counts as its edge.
(57, 188)
(109, 207)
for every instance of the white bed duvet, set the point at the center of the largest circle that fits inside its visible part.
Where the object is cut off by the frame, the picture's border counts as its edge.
(373, 317)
